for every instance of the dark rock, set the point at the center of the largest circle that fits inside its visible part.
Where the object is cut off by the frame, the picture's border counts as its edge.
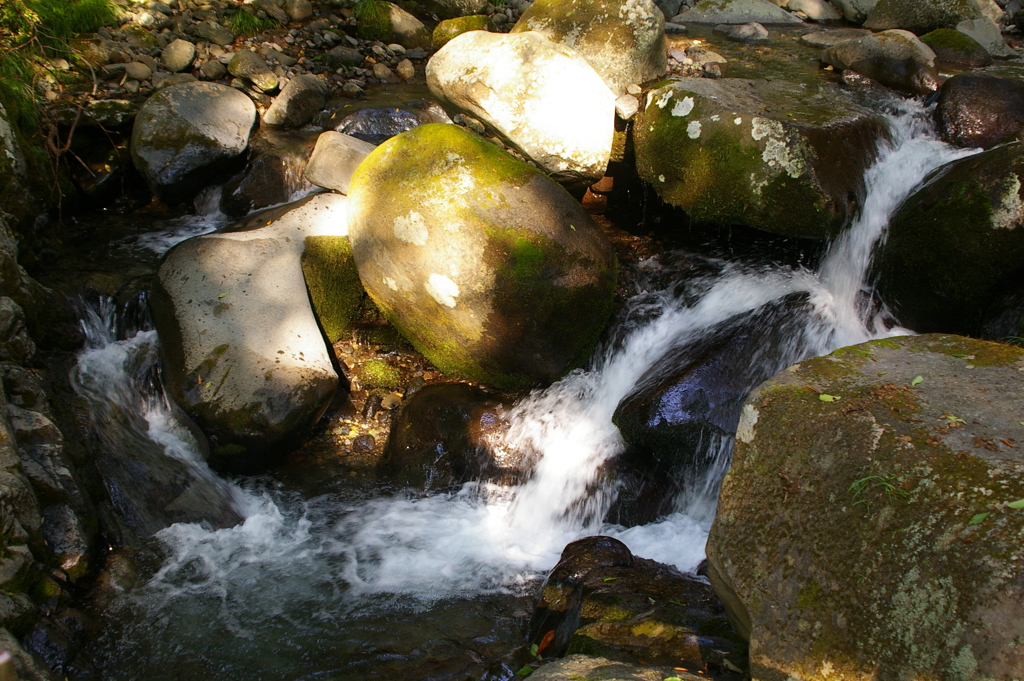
(981, 110)
(300, 100)
(956, 246)
(894, 58)
(343, 56)
(437, 439)
(273, 174)
(869, 533)
(377, 125)
(957, 49)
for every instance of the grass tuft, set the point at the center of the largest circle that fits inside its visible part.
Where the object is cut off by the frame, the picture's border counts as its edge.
(248, 24)
(374, 17)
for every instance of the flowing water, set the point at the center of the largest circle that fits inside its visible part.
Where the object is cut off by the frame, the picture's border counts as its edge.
(347, 583)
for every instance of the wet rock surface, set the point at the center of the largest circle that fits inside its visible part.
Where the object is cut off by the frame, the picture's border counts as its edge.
(895, 58)
(980, 110)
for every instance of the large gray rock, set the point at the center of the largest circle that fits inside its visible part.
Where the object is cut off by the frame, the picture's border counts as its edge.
(334, 160)
(955, 249)
(988, 35)
(874, 534)
(243, 355)
(543, 98)
(855, 11)
(623, 41)
(771, 155)
(923, 16)
(184, 135)
(301, 99)
(213, 32)
(250, 66)
(178, 55)
(737, 12)
(896, 58)
(488, 267)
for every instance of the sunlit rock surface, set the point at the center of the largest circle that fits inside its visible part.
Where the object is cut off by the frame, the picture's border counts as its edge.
(623, 41)
(896, 58)
(768, 154)
(737, 12)
(243, 354)
(869, 525)
(487, 266)
(541, 97)
(184, 134)
(954, 259)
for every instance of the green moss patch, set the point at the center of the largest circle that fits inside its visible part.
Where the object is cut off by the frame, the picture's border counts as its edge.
(333, 283)
(451, 28)
(377, 373)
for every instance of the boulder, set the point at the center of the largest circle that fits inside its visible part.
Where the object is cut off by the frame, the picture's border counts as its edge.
(449, 28)
(923, 16)
(980, 110)
(449, 9)
(623, 41)
(334, 160)
(178, 55)
(815, 10)
(855, 11)
(869, 524)
(250, 66)
(737, 12)
(541, 97)
(243, 354)
(300, 100)
(683, 414)
(510, 284)
(379, 124)
(956, 49)
(184, 135)
(600, 599)
(956, 245)
(769, 154)
(437, 439)
(895, 58)
(988, 35)
(273, 173)
(213, 32)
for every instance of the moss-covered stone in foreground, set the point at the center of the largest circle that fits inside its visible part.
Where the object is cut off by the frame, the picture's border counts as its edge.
(869, 526)
(332, 282)
(449, 28)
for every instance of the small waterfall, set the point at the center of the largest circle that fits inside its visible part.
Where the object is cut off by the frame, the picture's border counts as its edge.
(207, 217)
(302, 561)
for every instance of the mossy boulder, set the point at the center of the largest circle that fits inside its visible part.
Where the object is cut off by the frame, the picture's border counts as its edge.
(600, 599)
(869, 525)
(541, 97)
(450, 28)
(737, 12)
(185, 135)
(623, 41)
(387, 22)
(450, 9)
(242, 352)
(251, 67)
(333, 283)
(956, 246)
(896, 59)
(767, 154)
(957, 49)
(924, 16)
(488, 267)
(980, 110)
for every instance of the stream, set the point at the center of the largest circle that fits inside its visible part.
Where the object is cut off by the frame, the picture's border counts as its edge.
(344, 579)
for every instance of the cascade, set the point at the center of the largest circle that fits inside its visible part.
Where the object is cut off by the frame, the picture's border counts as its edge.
(296, 569)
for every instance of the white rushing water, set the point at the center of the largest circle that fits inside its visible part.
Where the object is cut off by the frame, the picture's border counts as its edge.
(487, 537)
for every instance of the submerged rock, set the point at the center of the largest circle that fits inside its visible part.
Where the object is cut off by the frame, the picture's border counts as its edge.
(624, 42)
(771, 155)
(875, 533)
(737, 12)
(896, 59)
(601, 600)
(185, 135)
(437, 438)
(956, 246)
(379, 124)
(243, 355)
(542, 98)
(980, 110)
(488, 267)
(273, 174)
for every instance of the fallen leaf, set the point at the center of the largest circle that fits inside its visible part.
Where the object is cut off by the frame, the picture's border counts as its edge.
(525, 671)
(545, 641)
(1016, 504)
(609, 579)
(978, 518)
(917, 379)
(954, 419)
(222, 295)
(827, 398)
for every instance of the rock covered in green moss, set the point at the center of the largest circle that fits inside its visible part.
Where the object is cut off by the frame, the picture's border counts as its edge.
(489, 268)
(333, 283)
(980, 110)
(895, 58)
(541, 97)
(450, 28)
(250, 66)
(923, 16)
(623, 41)
(771, 155)
(185, 134)
(869, 526)
(959, 49)
(450, 9)
(956, 246)
(243, 355)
